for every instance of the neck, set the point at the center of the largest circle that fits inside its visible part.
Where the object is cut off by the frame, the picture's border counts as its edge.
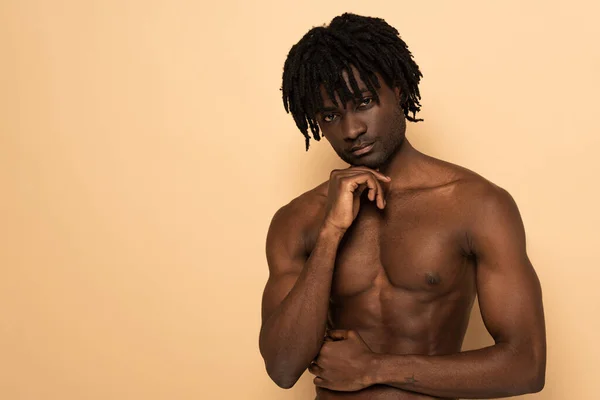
(403, 166)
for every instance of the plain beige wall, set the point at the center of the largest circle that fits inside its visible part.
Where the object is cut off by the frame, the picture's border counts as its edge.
(144, 149)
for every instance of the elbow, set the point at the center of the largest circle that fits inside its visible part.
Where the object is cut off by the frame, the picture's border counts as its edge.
(528, 371)
(538, 385)
(284, 383)
(283, 367)
(538, 379)
(538, 367)
(535, 375)
(282, 377)
(525, 381)
(279, 370)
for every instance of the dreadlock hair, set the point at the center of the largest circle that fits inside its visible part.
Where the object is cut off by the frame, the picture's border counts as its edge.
(368, 44)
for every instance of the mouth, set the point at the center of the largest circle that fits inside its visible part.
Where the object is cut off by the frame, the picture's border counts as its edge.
(362, 150)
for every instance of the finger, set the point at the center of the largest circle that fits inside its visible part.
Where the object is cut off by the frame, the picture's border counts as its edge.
(376, 191)
(360, 190)
(319, 381)
(354, 182)
(378, 174)
(361, 169)
(380, 195)
(338, 334)
(343, 179)
(315, 369)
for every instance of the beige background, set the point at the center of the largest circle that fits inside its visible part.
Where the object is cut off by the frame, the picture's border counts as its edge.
(144, 149)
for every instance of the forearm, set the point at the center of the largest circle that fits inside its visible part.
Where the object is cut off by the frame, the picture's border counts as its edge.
(492, 372)
(293, 334)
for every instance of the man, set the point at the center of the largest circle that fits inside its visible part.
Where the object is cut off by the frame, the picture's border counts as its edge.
(373, 273)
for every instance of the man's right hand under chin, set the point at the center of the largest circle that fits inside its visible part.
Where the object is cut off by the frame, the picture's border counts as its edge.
(345, 189)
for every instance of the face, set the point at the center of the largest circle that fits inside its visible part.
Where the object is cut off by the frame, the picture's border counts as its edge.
(380, 127)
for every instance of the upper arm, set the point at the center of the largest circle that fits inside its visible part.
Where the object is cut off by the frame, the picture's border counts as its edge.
(286, 255)
(508, 288)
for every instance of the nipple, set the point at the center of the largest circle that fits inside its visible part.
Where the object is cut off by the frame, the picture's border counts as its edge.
(433, 278)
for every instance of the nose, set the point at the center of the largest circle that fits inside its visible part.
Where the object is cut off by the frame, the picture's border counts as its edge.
(353, 126)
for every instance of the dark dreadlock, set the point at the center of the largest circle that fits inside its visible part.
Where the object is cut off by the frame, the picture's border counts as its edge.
(371, 45)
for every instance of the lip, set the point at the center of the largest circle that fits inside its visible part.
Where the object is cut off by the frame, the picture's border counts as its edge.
(363, 150)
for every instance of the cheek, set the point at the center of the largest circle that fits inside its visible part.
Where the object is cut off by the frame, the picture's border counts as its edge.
(329, 135)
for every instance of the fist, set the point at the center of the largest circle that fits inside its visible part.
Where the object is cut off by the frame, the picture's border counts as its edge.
(344, 362)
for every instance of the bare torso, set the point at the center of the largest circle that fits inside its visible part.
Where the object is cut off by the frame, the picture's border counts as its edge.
(404, 276)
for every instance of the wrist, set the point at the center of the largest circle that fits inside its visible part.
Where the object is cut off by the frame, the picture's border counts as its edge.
(374, 370)
(329, 230)
(386, 369)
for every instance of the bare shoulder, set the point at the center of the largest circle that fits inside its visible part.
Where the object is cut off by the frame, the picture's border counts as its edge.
(473, 190)
(485, 199)
(292, 225)
(488, 209)
(302, 209)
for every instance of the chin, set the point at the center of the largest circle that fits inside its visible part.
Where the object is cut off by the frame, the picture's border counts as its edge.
(369, 161)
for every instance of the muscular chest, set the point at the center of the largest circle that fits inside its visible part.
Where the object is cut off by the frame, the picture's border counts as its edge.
(415, 244)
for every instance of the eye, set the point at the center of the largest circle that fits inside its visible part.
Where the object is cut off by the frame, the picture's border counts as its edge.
(328, 117)
(365, 101)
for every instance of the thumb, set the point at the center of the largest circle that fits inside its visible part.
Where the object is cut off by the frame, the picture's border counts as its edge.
(360, 190)
(337, 334)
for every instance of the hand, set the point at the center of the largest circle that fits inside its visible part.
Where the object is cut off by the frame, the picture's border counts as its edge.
(345, 188)
(343, 363)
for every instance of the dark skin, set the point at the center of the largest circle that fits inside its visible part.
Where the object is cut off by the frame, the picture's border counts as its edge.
(373, 273)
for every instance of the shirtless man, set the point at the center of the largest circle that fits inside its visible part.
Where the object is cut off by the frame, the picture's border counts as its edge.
(373, 273)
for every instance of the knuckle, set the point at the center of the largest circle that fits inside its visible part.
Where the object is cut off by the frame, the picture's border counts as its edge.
(347, 180)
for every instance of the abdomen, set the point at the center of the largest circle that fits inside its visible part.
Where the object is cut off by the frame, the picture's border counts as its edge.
(399, 321)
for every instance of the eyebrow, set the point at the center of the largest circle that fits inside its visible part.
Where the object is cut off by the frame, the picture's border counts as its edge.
(326, 109)
(333, 108)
